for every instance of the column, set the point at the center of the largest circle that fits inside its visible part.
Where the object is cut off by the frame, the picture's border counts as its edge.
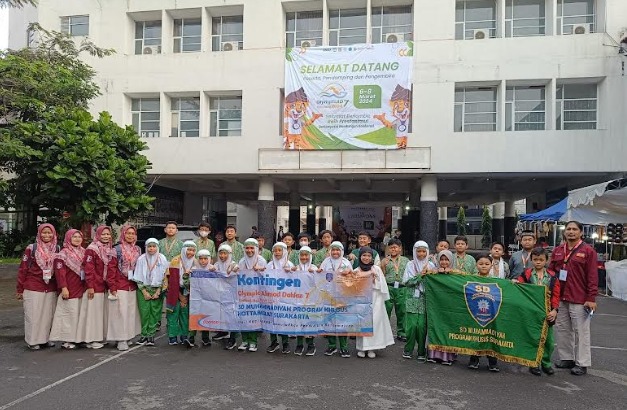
(294, 213)
(498, 224)
(509, 225)
(266, 211)
(443, 218)
(429, 210)
(311, 217)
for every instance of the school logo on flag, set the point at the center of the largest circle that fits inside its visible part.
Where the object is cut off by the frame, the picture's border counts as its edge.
(483, 301)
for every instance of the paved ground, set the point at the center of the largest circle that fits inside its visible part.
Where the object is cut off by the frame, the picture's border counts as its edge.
(173, 377)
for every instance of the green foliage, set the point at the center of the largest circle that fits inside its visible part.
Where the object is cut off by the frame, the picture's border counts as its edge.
(461, 221)
(486, 228)
(60, 158)
(17, 3)
(13, 243)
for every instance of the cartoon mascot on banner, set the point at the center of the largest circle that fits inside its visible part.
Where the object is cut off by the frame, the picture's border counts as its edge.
(401, 111)
(295, 109)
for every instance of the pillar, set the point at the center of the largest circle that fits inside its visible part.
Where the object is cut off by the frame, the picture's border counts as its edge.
(429, 210)
(266, 211)
(443, 219)
(509, 224)
(294, 213)
(498, 223)
(311, 218)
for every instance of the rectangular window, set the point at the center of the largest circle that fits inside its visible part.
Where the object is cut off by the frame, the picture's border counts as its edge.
(187, 35)
(575, 17)
(475, 109)
(475, 19)
(148, 37)
(576, 107)
(227, 33)
(524, 18)
(392, 24)
(75, 25)
(146, 116)
(185, 117)
(347, 26)
(525, 108)
(303, 28)
(225, 116)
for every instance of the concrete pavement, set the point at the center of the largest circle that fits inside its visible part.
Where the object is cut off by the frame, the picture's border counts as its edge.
(175, 377)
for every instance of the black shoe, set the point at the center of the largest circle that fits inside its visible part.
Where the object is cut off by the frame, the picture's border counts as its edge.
(311, 350)
(192, 340)
(206, 341)
(142, 340)
(345, 353)
(535, 371)
(150, 341)
(402, 338)
(473, 363)
(548, 370)
(578, 370)
(565, 364)
(330, 351)
(187, 342)
(274, 346)
(230, 344)
(299, 350)
(286, 349)
(220, 336)
(494, 368)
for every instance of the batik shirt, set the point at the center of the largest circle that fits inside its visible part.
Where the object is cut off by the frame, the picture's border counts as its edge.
(395, 269)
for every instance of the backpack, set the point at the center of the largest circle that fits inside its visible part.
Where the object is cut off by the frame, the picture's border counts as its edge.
(32, 254)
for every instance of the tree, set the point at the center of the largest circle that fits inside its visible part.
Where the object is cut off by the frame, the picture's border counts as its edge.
(486, 228)
(461, 221)
(58, 158)
(17, 3)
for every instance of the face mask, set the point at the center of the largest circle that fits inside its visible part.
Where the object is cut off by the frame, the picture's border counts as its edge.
(303, 243)
(203, 234)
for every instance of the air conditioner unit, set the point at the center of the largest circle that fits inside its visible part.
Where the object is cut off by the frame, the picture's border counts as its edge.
(394, 38)
(308, 43)
(480, 34)
(584, 28)
(152, 50)
(230, 46)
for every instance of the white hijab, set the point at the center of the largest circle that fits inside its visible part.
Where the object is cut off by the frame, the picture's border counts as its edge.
(186, 263)
(416, 266)
(144, 274)
(305, 266)
(279, 263)
(220, 266)
(249, 262)
(336, 264)
(501, 272)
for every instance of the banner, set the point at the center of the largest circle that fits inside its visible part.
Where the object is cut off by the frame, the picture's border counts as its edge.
(275, 301)
(348, 97)
(481, 316)
(373, 219)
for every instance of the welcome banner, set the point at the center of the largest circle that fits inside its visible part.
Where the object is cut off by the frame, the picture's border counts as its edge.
(348, 97)
(480, 316)
(275, 301)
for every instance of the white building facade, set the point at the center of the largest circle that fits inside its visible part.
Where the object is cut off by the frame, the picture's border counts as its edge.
(511, 98)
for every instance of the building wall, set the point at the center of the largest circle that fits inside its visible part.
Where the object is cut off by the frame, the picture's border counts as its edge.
(441, 62)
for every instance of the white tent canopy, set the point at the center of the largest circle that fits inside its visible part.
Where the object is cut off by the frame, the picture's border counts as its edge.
(597, 205)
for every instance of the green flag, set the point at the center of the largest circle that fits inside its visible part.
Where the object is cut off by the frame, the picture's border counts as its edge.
(480, 316)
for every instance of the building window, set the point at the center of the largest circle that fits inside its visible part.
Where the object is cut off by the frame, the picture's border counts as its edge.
(524, 18)
(303, 28)
(227, 33)
(225, 116)
(148, 37)
(187, 35)
(347, 26)
(391, 24)
(576, 107)
(185, 117)
(575, 16)
(525, 108)
(475, 19)
(146, 116)
(75, 25)
(475, 109)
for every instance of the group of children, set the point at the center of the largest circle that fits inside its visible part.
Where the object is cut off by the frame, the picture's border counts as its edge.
(115, 293)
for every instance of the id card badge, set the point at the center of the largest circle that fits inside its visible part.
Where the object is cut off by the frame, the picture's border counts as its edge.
(396, 284)
(563, 274)
(47, 274)
(130, 274)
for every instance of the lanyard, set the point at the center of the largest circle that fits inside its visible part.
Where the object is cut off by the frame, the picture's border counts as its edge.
(396, 265)
(525, 260)
(460, 265)
(168, 249)
(567, 258)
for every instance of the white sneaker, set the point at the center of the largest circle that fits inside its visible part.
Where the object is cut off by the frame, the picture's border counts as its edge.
(371, 354)
(94, 345)
(68, 345)
(361, 353)
(243, 346)
(122, 346)
(252, 347)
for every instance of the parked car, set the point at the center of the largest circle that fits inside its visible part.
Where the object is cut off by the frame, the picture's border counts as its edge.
(186, 232)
